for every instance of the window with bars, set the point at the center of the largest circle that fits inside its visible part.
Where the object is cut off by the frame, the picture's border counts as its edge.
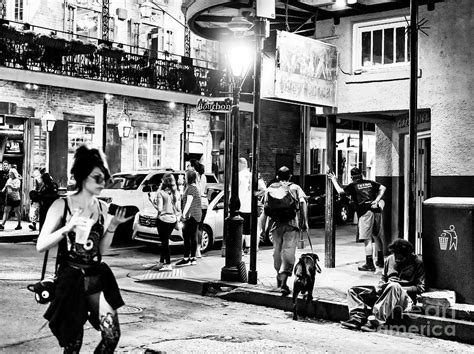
(148, 149)
(381, 43)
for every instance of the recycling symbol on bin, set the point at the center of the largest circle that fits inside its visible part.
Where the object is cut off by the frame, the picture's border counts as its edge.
(448, 238)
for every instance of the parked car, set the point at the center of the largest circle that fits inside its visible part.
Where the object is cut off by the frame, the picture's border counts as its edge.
(144, 226)
(315, 189)
(126, 189)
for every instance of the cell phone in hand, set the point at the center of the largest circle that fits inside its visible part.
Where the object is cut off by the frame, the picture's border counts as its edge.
(130, 210)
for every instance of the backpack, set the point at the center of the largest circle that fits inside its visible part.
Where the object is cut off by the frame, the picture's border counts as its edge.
(284, 209)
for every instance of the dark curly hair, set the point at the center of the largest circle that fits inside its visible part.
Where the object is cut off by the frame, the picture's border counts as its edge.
(191, 176)
(402, 247)
(85, 160)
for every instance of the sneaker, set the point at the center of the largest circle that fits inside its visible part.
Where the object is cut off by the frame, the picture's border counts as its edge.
(193, 261)
(18, 227)
(167, 267)
(246, 250)
(351, 323)
(367, 268)
(157, 266)
(285, 290)
(372, 325)
(378, 264)
(183, 262)
(32, 227)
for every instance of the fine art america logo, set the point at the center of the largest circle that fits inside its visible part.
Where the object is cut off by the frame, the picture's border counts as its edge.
(216, 105)
(448, 239)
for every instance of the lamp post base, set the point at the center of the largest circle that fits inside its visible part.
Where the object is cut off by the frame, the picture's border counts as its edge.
(234, 269)
(253, 277)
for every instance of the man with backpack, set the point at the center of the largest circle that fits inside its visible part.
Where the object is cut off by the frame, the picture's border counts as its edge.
(285, 205)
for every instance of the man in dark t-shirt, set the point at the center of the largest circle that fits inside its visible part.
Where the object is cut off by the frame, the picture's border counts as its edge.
(366, 195)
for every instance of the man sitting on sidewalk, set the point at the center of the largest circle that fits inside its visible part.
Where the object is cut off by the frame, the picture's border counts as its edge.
(402, 279)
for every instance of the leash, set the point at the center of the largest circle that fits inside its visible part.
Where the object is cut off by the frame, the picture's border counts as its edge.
(310, 244)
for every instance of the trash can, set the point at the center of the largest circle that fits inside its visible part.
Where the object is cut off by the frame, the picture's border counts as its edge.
(448, 245)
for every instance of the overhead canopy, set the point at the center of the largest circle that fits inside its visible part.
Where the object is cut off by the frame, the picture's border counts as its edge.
(210, 18)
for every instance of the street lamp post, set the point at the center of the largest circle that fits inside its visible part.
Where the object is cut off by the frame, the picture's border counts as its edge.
(234, 269)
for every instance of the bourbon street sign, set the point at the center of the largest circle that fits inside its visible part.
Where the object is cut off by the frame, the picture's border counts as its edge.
(216, 105)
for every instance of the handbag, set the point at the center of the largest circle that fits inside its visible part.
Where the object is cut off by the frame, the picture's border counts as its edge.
(44, 289)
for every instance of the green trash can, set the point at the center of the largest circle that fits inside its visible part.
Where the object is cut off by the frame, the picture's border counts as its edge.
(448, 245)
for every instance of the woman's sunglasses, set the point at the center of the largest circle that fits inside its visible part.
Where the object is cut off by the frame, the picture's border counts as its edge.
(98, 179)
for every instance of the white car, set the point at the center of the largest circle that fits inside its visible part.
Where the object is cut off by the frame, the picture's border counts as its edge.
(144, 226)
(126, 188)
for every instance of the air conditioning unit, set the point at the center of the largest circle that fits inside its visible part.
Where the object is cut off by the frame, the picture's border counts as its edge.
(121, 14)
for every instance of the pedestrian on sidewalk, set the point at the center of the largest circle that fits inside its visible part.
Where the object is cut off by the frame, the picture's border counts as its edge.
(34, 199)
(192, 214)
(202, 185)
(3, 180)
(13, 198)
(81, 227)
(366, 194)
(47, 194)
(168, 204)
(245, 197)
(403, 278)
(285, 204)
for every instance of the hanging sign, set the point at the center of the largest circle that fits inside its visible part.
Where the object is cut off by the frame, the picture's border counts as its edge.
(215, 105)
(303, 70)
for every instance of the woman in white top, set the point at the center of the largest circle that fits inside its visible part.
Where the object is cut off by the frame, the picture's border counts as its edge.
(13, 198)
(168, 204)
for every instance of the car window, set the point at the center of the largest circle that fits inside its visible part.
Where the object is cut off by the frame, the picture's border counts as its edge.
(155, 179)
(128, 182)
(211, 178)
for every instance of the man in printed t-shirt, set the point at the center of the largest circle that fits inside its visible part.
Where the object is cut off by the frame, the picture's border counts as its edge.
(367, 195)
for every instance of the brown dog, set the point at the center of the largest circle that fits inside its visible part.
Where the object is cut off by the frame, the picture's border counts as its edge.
(305, 273)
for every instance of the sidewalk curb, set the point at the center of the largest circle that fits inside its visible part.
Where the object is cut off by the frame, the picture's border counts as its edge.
(458, 330)
(17, 238)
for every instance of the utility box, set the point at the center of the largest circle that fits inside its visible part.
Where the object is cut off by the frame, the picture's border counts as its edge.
(448, 245)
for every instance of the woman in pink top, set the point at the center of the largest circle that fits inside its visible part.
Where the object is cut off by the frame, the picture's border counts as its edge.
(13, 199)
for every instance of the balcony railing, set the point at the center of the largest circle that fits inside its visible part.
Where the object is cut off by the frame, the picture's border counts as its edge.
(50, 53)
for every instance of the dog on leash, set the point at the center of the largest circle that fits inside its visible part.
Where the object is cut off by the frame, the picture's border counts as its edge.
(305, 273)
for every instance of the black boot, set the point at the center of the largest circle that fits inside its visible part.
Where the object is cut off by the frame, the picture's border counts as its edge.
(369, 265)
(380, 260)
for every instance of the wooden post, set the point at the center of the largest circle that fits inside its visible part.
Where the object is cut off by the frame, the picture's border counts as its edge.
(330, 229)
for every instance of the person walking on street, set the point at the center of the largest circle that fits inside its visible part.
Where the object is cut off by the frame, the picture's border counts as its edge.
(403, 278)
(13, 198)
(83, 230)
(192, 214)
(366, 194)
(245, 197)
(168, 204)
(285, 204)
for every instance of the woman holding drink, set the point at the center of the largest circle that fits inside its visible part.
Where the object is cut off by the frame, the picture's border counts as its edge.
(86, 288)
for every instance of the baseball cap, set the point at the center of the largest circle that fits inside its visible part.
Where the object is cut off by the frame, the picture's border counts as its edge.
(355, 172)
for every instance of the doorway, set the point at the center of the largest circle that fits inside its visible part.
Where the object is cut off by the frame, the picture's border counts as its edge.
(423, 174)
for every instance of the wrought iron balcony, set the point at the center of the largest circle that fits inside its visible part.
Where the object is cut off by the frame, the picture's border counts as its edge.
(50, 53)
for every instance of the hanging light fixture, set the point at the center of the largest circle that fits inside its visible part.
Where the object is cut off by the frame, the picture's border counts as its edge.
(125, 123)
(48, 119)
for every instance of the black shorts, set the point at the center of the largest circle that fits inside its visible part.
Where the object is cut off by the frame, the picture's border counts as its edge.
(247, 227)
(13, 203)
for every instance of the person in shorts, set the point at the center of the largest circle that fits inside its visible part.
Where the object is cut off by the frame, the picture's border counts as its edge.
(245, 197)
(13, 198)
(367, 195)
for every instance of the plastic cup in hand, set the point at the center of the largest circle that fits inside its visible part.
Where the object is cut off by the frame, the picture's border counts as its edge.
(82, 231)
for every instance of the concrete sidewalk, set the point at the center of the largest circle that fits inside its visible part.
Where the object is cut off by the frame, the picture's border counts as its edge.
(329, 295)
(10, 235)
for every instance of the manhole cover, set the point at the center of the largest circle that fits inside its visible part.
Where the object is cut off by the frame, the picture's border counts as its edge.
(127, 309)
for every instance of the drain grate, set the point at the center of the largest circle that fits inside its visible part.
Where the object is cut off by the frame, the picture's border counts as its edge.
(128, 310)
